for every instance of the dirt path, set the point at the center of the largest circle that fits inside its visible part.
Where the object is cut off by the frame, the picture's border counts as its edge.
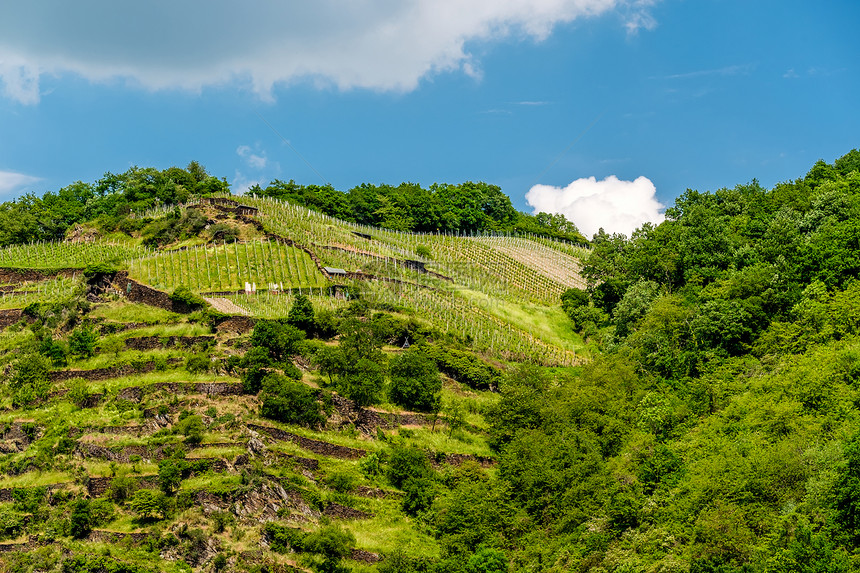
(226, 306)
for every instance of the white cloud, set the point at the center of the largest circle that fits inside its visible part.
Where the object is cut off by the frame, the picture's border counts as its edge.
(255, 160)
(616, 205)
(10, 182)
(242, 183)
(376, 44)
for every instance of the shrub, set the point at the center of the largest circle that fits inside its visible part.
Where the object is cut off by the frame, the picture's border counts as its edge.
(465, 367)
(279, 339)
(101, 268)
(408, 463)
(283, 539)
(170, 474)
(331, 541)
(83, 341)
(419, 495)
(290, 402)
(198, 363)
(183, 294)
(29, 380)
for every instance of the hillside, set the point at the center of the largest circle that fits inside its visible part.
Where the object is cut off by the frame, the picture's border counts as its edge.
(157, 417)
(241, 383)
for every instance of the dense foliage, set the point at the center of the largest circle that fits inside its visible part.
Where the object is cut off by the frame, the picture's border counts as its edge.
(443, 207)
(107, 201)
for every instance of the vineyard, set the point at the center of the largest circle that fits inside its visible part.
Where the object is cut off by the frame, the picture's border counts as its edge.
(470, 285)
(538, 270)
(66, 254)
(59, 289)
(229, 267)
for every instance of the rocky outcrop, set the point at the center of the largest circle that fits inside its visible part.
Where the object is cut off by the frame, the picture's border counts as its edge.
(10, 316)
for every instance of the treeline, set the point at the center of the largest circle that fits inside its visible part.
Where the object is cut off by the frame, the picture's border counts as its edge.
(717, 429)
(468, 207)
(107, 202)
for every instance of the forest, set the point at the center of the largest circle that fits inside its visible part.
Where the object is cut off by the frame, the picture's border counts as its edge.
(710, 421)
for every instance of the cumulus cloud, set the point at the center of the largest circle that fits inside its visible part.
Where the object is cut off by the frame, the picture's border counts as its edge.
(377, 44)
(616, 205)
(10, 182)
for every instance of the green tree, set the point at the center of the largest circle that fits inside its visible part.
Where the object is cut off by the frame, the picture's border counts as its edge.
(148, 504)
(29, 381)
(415, 381)
(82, 341)
(290, 402)
(170, 474)
(80, 521)
(301, 314)
(408, 463)
(281, 340)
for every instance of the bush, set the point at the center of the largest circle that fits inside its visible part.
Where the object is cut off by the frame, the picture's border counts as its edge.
(170, 474)
(331, 541)
(290, 402)
(83, 341)
(419, 495)
(183, 294)
(29, 381)
(97, 269)
(408, 463)
(281, 340)
(198, 363)
(465, 367)
(256, 363)
(283, 539)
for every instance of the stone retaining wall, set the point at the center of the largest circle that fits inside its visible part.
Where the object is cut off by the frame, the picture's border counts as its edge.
(138, 292)
(18, 276)
(144, 343)
(315, 446)
(237, 324)
(108, 372)
(135, 393)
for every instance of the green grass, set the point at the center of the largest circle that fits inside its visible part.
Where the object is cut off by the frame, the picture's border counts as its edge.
(108, 359)
(549, 323)
(36, 479)
(104, 469)
(123, 311)
(228, 453)
(389, 529)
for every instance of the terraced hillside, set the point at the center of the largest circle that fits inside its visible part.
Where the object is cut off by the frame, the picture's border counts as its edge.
(142, 430)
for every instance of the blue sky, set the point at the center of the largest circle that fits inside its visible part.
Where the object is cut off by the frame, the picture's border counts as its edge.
(605, 110)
